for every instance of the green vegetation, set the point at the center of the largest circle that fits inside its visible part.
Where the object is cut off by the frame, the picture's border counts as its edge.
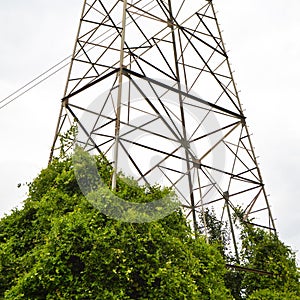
(264, 251)
(58, 246)
(260, 251)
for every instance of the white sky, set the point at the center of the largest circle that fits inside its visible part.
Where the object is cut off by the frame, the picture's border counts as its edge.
(264, 44)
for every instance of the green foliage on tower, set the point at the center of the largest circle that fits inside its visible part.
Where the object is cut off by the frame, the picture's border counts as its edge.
(262, 250)
(272, 268)
(58, 246)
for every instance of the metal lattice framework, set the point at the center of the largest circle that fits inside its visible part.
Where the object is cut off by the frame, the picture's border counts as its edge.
(167, 93)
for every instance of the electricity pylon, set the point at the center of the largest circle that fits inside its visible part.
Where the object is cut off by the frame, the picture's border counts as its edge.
(169, 111)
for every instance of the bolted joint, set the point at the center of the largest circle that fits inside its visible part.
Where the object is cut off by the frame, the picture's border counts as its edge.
(226, 196)
(243, 121)
(170, 23)
(65, 102)
(185, 144)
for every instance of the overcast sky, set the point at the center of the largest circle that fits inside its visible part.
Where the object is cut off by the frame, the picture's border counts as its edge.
(263, 39)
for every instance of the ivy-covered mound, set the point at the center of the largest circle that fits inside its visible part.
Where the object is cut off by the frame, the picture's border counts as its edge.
(58, 246)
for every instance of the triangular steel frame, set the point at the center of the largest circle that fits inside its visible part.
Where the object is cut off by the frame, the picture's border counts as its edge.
(171, 53)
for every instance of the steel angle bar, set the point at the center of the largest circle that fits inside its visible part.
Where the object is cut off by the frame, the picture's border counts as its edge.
(140, 128)
(152, 149)
(168, 113)
(261, 226)
(250, 153)
(108, 15)
(99, 24)
(133, 162)
(206, 71)
(107, 48)
(215, 131)
(91, 84)
(90, 7)
(83, 128)
(112, 138)
(178, 137)
(166, 61)
(94, 131)
(212, 181)
(89, 60)
(169, 169)
(91, 112)
(147, 15)
(216, 39)
(220, 141)
(200, 165)
(236, 145)
(239, 116)
(140, 57)
(206, 16)
(213, 201)
(178, 191)
(80, 79)
(157, 166)
(180, 8)
(93, 7)
(238, 158)
(246, 269)
(200, 202)
(202, 41)
(258, 210)
(138, 110)
(209, 111)
(248, 209)
(204, 186)
(245, 191)
(212, 73)
(246, 180)
(249, 170)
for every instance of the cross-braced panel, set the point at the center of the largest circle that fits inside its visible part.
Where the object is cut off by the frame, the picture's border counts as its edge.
(167, 101)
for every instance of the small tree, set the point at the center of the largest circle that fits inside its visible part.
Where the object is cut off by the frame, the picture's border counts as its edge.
(218, 235)
(260, 250)
(263, 250)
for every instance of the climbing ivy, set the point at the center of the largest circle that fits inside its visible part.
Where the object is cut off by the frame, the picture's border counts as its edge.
(59, 246)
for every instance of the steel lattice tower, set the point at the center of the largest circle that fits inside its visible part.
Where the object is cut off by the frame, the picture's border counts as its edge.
(163, 72)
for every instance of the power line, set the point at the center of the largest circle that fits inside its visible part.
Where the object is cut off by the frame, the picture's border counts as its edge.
(36, 84)
(53, 67)
(33, 80)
